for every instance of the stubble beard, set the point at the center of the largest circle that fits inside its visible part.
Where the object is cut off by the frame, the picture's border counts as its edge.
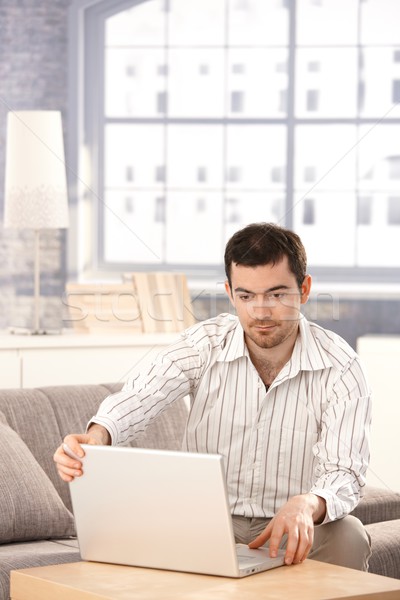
(271, 340)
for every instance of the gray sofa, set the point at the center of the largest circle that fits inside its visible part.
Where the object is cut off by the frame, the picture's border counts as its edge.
(36, 525)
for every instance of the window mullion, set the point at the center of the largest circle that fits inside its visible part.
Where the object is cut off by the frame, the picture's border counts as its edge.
(289, 201)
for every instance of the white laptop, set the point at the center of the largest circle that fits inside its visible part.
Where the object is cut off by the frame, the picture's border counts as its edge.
(160, 509)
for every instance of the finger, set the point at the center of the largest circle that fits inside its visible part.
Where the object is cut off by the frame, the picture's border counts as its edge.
(292, 545)
(73, 443)
(308, 546)
(275, 540)
(64, 456)
(261, 539)
(67, 467)
(68, 474)
(65, 478)
(303, 545)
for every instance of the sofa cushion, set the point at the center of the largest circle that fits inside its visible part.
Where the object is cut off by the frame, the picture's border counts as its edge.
(24, 555)
(378, 504)
(30, 508)
(385, 546)
(42, 417)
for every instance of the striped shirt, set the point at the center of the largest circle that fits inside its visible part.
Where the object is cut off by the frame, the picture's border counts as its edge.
(308, 432)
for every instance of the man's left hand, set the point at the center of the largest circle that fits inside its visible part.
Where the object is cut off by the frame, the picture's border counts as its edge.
(296, 519)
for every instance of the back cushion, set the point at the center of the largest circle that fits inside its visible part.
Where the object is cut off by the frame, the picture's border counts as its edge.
(42, 417)
(30, 508)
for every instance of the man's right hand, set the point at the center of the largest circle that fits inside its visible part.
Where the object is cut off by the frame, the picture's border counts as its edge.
(68, 467)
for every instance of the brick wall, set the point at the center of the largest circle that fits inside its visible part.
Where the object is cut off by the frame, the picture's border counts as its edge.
(33, 75)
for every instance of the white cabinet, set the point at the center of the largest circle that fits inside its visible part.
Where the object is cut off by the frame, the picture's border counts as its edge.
(34, 361)
(380, 356)
(10, 368)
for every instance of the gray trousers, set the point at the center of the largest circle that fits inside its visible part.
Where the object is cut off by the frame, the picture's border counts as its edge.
(344, 542)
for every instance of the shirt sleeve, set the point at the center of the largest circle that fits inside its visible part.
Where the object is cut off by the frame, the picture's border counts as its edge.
(172, 376)
(342, 452)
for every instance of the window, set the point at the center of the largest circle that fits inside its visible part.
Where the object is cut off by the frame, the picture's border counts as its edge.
(394, 210)
(206, 115)
(309, 212)
(364, 216)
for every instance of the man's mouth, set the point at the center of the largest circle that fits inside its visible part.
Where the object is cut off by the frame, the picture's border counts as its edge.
(264, 326)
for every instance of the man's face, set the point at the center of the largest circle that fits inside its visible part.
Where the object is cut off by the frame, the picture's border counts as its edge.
(267, 301)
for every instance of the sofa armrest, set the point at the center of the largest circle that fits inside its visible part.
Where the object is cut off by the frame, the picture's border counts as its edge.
(378, 504)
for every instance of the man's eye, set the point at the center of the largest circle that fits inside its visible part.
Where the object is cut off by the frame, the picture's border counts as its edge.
(279, 295)
(244, 298)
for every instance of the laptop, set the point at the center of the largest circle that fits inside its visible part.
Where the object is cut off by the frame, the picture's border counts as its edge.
(160, 509)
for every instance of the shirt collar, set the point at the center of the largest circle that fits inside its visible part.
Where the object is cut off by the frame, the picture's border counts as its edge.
(234, 347)
(308, 353)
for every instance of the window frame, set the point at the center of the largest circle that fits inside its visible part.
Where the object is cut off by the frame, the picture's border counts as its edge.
(85, 132)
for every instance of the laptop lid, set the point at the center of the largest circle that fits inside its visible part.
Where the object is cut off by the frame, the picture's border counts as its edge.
(155, 508)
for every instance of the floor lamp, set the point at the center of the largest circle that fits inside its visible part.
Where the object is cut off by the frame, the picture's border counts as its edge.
(35, 182)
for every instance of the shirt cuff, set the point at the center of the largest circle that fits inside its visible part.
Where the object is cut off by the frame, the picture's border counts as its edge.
(330, 500)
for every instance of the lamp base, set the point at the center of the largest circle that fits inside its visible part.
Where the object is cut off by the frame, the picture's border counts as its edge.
(26, 331)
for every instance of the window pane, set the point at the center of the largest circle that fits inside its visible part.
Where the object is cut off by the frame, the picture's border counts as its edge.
(379, 163)
(141, 24)
(258, 22)
(194, 147)
(257, 152)
(364, 210)
(329, 153)
(242, 208)
(198, 22)
(132, 82)
(394, 211)
(380, 77)
(194, 228)
(327, 22)
(380, 22)
(132, 233)
(329, 235)
(326, 82)
(308, 211)
(133, 155)
(260, 77)
(378, 242)
(196, 83)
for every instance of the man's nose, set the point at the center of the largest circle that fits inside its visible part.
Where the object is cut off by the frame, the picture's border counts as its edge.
(261, 310)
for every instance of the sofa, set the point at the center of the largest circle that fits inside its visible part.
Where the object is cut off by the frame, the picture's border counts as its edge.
(36, 522)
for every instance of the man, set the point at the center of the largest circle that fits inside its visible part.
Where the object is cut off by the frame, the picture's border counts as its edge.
(283, 400)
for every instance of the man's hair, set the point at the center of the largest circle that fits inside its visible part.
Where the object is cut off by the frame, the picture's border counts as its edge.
(263, 244)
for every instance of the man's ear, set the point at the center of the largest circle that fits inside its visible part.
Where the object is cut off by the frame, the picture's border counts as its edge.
(306, 289)
(229, 292)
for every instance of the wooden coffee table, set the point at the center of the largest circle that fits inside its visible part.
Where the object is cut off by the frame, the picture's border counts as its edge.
(311, 580)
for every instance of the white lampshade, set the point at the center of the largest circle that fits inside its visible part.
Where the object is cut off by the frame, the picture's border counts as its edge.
(35, 180)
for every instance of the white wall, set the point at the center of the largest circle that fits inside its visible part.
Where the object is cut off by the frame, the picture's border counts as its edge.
(381, 357)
